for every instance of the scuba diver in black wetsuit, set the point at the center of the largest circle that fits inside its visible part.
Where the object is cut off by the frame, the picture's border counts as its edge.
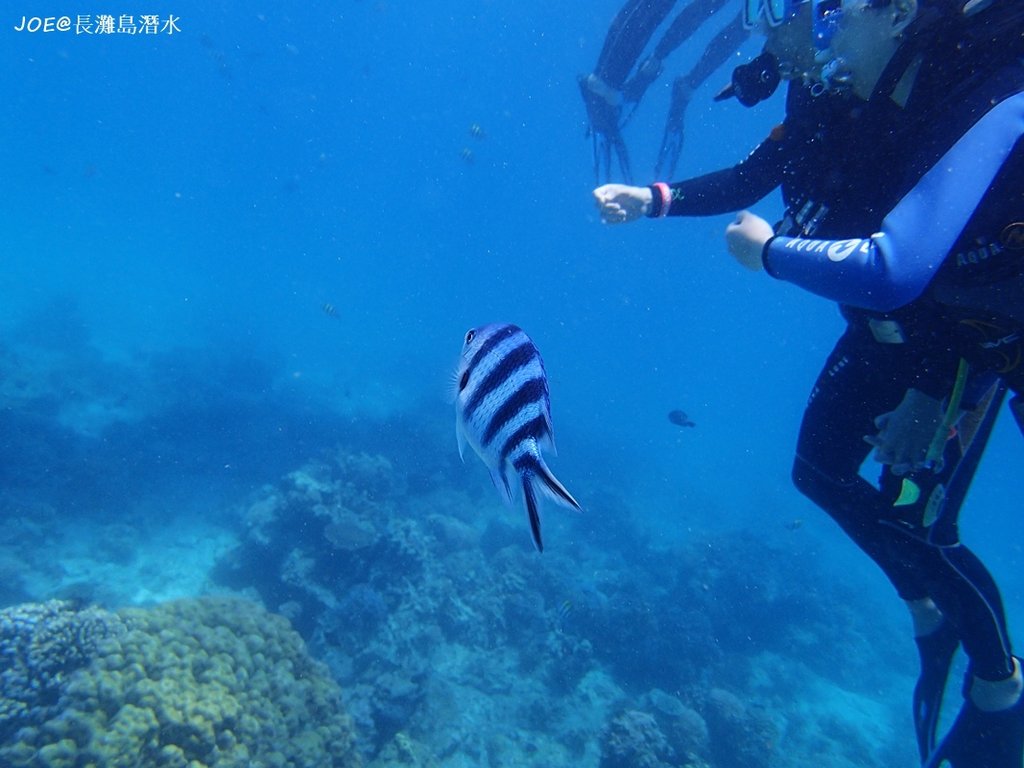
(618, 79)
(947, 91)
(828, 156)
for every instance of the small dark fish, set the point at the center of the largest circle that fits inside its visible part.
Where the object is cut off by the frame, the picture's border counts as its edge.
(795, 524)
(477, 132)
(329, 309)
(679, 418)
(467, 156)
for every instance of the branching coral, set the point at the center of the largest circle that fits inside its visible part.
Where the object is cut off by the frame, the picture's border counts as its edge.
(41, 645)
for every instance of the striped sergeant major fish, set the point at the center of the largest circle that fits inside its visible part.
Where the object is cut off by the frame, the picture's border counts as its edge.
(502, 409)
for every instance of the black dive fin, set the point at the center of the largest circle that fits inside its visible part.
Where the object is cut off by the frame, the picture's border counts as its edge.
(936, 651)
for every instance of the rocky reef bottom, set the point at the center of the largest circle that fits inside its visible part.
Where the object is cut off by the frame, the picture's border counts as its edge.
(209, 682)
(441, 637)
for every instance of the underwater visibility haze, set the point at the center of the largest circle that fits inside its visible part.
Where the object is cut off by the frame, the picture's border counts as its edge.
(239, 261)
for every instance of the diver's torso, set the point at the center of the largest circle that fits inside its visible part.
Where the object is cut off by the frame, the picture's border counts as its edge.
(858, 160)
(853, 161)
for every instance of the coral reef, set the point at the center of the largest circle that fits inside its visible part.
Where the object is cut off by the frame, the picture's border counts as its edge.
(325, 524)
(396, 593)
(656, 730)
(454, 643)
(403, 752)
(634, 740)
(41, 646)
(683, 726)
(430, 607)
(741, 736)
(208, 682)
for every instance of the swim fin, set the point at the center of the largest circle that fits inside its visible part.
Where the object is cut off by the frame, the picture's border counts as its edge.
(936, 651)
(980, 739)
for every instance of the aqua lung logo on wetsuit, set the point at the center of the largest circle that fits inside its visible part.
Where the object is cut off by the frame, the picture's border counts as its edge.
(834, 250)
(840, 250)
(983, 252)
(1010, 239)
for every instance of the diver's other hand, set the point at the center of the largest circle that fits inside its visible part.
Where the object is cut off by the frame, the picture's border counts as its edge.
(746, 237)
(619, 203)
(905, 434)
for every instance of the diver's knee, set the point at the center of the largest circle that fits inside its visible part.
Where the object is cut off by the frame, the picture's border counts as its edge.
(821, 487)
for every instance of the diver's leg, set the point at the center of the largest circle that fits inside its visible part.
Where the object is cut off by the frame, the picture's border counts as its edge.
(630, 31)
(718, 52)
(829, 455)
(861, 379)
(685, 24)
(963, 591)
(675, 126)
(989, 731)
(968, 601)
(689, 20)
(957, 581)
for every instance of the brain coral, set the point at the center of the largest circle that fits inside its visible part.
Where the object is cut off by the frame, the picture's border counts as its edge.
(208, 682)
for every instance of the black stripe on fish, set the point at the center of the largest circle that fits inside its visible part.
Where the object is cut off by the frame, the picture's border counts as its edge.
(509, 364)
(536, 427)
(532, 391)
(492, 341)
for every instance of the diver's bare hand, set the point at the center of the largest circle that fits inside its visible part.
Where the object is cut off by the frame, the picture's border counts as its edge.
(746, 238)
(619, 203)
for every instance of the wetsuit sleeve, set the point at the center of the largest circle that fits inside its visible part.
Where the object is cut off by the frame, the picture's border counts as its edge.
(730, 189)
(894, 266)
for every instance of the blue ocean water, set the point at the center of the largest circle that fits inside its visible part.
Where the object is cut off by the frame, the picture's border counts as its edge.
(231, 251)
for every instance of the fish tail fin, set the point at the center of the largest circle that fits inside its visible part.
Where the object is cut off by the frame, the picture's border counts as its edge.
(500, 481)
(554, 489)
(532, 511)
(536, 476)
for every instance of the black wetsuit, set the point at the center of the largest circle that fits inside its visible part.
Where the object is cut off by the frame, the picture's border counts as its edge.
(947, 244)
(843, 166)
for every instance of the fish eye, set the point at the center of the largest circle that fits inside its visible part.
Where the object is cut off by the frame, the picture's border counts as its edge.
(470, 335)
